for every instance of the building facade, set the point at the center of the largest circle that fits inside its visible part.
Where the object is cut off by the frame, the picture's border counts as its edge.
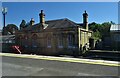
(61, 36)
(115, 37)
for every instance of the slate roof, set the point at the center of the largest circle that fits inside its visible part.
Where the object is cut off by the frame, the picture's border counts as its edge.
(115, 27)
(34, 27)
(6, 38)
(59, 23)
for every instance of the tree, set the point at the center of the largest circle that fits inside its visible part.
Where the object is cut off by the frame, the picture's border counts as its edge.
(105, 28)
(100, 30)
(11, 29)
(112, 22)
(96, 35)
(96, 28)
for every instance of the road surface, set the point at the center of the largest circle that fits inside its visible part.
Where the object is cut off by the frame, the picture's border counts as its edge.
(15, 66)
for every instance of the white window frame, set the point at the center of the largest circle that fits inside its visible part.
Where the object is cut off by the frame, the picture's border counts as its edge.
(49, 42)
(60, 42)
(70, 41)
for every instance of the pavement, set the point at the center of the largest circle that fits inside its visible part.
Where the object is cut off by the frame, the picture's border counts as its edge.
(33, 65)
(103, 54)
(104, 51)
(64, 59)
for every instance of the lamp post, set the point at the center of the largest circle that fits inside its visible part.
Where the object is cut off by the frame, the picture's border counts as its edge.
(4, 12)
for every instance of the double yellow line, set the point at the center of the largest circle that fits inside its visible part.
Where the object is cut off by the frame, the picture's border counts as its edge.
(64, 59)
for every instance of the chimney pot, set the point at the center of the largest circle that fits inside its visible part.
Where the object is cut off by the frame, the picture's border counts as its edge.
(32, 21)
(42, 17)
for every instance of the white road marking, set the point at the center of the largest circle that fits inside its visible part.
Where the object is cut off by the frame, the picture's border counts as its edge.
(85, 74)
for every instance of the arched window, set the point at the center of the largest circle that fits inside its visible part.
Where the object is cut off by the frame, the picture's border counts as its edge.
(48, 42)
(25, 41)
(60, 41)
(34, 40)
(19, 39)
(71, 40)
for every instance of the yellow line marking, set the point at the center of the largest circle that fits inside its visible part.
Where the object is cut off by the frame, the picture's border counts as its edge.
(64, 59)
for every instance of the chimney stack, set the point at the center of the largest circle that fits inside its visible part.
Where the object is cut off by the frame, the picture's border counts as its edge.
(32, 21)
(42, 17)
(85, 20)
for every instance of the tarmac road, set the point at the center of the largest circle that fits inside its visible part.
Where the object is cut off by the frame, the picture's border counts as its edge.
(15, 66)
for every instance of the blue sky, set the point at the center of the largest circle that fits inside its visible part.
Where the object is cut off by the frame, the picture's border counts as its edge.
(99, 12)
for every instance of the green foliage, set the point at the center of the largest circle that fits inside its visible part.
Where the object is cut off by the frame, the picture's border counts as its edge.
(105, 28)
(100, 30)
(96, 35)
(11, 28)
